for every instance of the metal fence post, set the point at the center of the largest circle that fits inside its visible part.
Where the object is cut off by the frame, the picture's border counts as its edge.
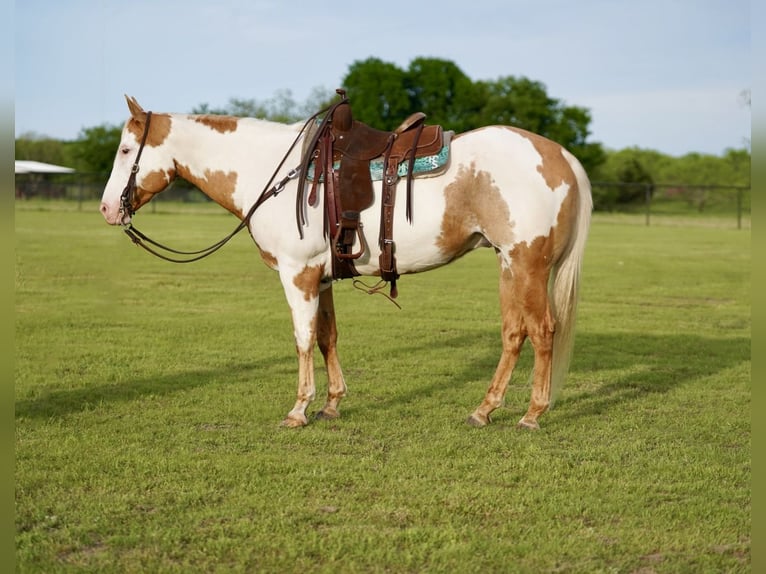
(648, 198)
(739, 208)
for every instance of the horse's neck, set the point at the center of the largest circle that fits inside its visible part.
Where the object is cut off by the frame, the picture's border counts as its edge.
(229, 159)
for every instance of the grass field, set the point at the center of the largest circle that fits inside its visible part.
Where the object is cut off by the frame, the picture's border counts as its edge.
(148, 398)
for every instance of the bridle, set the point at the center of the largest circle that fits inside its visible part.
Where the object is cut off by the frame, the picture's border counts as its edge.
(128, 196)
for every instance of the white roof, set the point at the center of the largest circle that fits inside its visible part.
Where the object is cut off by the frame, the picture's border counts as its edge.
(24, 166)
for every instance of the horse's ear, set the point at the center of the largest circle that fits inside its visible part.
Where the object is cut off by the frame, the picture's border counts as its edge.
(135, 108)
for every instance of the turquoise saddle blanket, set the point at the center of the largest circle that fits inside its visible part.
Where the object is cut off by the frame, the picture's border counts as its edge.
(422, 166)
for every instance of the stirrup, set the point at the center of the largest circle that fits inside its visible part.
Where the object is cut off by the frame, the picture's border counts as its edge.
(348, 228)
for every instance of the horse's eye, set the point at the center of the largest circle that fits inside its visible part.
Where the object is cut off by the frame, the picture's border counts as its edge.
(125, 150)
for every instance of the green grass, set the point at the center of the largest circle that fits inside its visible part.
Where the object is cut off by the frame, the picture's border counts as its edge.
(148, 399)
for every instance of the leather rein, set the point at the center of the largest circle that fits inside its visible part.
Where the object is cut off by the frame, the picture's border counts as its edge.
(128, 196)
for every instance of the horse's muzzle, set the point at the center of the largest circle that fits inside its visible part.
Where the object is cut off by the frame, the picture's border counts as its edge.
(114, 216)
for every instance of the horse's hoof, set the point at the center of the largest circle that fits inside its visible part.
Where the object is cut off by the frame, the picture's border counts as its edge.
(528, 425)
(327, 415)
(478, 421)
(294, 422)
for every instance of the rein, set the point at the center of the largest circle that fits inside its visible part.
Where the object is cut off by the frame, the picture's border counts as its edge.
(140, 239)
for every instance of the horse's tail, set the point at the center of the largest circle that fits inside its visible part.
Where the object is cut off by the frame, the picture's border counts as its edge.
(565, 281)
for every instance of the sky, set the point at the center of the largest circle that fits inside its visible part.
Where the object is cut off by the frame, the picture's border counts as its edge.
(666, 75)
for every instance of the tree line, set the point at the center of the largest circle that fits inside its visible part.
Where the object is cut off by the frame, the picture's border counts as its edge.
(383, 94)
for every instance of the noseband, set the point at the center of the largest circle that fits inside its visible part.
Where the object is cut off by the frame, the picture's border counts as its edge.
(129, 193)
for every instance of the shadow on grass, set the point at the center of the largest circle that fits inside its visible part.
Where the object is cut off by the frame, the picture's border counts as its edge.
(625, 366)
(58, 403)
(622, 367)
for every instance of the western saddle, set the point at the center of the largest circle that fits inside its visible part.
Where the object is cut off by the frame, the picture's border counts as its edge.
(341, 149)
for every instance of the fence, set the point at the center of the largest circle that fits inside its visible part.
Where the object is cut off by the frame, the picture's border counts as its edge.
(88, 187)
(649, 200)
(666, 199)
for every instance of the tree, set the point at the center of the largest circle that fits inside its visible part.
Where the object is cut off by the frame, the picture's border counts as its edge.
(444, 93)
(736, 167)
(379, 93)
(382, 95)
(31, 146)
(684, 178)
(518, 102)
(95, 148)
(628, 169)
(525, 103)
(281, 108)
(571, 130)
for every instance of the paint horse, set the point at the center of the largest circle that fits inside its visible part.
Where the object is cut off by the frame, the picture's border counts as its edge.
(523, 196)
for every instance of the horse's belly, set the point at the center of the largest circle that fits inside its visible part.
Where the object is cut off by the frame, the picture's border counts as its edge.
(416, 242)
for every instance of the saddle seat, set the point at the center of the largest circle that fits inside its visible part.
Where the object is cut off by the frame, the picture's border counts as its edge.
(342, 149)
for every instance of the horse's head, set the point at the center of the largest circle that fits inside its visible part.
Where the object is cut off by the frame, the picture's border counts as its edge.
(143, 166)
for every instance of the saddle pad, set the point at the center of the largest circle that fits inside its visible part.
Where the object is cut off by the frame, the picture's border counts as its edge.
(423, 166)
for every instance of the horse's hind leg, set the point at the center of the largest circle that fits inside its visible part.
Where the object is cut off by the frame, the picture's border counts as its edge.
(327, 338)
(540, 328)
(526, 313)
(514, 334)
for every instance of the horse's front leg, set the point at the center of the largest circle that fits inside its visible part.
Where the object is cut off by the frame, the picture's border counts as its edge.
(327, 337)
(302, 292)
